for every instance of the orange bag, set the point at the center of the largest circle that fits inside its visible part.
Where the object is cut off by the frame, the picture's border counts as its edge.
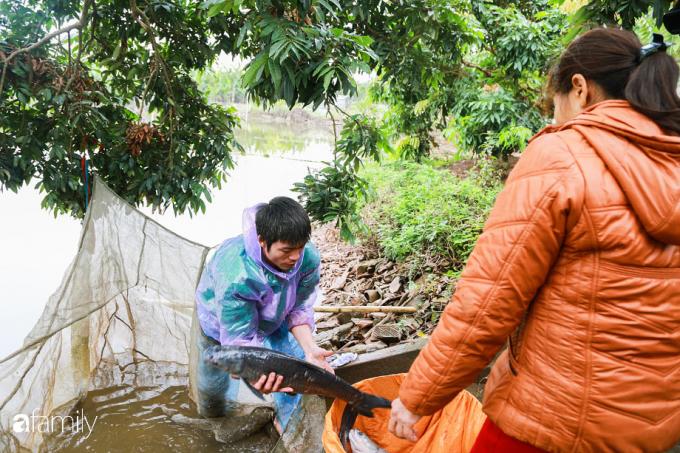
(452, 429)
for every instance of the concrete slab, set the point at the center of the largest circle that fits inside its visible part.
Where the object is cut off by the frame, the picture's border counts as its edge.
(392, 360)
(397, 359)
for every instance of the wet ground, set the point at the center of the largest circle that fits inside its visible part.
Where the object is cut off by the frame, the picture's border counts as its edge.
(149, 420)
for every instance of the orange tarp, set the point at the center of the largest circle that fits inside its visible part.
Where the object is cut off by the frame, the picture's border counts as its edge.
(451, 430)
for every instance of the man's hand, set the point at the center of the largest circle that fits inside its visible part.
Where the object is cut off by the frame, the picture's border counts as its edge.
(317, 355)
(272, 383)
(402, 421)
(313, 353)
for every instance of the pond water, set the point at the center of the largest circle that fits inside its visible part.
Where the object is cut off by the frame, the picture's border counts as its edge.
(126, 419)
(38, 248)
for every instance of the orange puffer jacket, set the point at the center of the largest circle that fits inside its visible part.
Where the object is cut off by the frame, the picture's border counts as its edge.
(579, 267)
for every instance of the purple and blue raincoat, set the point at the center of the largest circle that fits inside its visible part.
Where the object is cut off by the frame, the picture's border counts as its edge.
(243, 300)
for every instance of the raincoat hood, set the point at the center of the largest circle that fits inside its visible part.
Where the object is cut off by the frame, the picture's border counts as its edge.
(253, 249)
(643, 159)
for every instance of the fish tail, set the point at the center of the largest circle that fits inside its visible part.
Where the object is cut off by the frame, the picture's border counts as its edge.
(349, 417)
(369, 402)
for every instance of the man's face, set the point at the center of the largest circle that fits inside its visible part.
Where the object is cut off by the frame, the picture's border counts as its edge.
(282, 254)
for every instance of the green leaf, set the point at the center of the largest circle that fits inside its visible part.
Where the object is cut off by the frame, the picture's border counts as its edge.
(277, 48)
(217, 6)
(254, 70)
(327, 79)
(275, 72)
(215, 10)
(235, 9)
(46, 93)
(242, 34)
(365, 41)
(289, 93)
(116, 52)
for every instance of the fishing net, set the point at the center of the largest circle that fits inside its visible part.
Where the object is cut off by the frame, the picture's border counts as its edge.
(121, 316)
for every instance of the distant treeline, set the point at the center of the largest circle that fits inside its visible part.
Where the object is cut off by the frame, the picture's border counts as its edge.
(224, 86)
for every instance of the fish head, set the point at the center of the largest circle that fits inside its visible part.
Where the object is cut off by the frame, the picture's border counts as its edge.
(230, 359)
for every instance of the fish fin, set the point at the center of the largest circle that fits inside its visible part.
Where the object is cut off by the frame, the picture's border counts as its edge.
(253, 389)
(370, 402)
(349, 417)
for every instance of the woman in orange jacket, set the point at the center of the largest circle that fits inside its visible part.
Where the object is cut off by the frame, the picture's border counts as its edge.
(578, 268)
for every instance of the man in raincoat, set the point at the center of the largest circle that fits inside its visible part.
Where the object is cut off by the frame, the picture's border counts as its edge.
(258, 289)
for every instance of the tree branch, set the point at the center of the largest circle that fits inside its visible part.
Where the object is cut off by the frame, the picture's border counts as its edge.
(146, 90)
(141, 18)
(349, 116)
(335, 133)
(479, 68)
(80, 23)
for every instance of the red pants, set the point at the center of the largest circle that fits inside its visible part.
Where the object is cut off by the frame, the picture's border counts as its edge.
(492, 439)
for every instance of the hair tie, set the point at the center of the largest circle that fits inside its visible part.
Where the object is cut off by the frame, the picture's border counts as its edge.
(657, 45)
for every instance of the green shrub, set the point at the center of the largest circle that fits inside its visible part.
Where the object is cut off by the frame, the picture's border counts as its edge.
(494, 122)
(333, 193)
(510, 139)
(428, 216)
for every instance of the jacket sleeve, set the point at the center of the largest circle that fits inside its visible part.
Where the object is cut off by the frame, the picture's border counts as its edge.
(307, 291)
(521, 240)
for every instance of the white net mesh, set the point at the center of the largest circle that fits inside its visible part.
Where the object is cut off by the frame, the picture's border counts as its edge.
(122, 315)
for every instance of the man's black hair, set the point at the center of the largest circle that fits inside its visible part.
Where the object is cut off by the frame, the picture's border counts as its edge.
(283, 219)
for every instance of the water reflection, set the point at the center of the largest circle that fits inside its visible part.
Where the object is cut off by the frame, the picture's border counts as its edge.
(273, 136)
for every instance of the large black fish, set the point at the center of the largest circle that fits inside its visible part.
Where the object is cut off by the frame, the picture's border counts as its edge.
(250, 363)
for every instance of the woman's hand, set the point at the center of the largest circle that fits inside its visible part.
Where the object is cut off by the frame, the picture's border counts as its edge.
(317, 356)
(402, 421)
(272, 383)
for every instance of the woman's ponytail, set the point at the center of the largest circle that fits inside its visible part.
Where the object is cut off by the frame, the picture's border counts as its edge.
(652, 90)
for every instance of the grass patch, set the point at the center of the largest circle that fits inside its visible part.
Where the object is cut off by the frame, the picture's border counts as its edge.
(426, 216)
